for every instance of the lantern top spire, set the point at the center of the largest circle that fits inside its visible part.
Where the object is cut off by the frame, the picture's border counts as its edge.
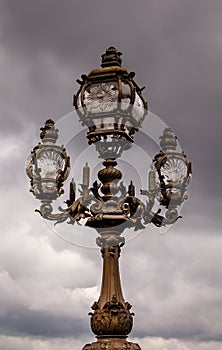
(111, 58)
(168, 140)
(49, 132)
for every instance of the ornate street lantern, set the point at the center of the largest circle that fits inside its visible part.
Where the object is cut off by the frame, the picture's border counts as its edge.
(170, 175)
(110, 104)
(171, 172)
(48, 165)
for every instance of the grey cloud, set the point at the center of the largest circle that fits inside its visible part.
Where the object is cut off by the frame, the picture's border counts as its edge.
(178, 286)
(42, 291)
(174, 280)
(42, 324)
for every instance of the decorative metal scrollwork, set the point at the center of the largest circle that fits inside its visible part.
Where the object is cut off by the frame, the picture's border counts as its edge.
(110, 104)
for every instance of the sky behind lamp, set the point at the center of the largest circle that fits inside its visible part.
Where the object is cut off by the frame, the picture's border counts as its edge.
(110, 104)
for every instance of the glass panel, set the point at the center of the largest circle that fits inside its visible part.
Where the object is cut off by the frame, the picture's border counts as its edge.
(138, 109)
(35, 188)
(128, 126)
(126, 94)
(49, 187)
(51, 163)
(79, 101)
(101, 97)
(174, 171)
(109, 122)
(29, 166)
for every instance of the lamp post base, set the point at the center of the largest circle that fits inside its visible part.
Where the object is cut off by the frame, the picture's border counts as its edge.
(111, 319)
(112, 343)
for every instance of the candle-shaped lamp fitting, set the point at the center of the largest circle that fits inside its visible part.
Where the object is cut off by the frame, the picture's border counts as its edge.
(152, 180)
(131, 189)
(86, 174)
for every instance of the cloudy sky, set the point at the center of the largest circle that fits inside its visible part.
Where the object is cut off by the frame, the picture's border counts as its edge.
(173, 279)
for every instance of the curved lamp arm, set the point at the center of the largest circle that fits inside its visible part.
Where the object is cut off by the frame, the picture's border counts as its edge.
(169, 177)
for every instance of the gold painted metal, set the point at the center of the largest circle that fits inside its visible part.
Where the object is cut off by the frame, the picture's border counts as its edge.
(109, 206)
(49, 186)
(111, 319)
(106, 109)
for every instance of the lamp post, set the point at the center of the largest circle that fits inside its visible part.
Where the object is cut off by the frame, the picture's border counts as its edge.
(110, 104)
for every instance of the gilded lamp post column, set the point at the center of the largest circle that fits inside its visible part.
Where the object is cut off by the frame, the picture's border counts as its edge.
(110, 104)
(111, 319)
(111, 313)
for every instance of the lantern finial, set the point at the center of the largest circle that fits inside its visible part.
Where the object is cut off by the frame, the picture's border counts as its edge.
(168, 140)
(48, 131)
(111, 58)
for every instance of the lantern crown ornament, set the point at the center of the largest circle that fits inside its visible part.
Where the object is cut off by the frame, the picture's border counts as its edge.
(111, 105)
(49, 133)
(111, 58)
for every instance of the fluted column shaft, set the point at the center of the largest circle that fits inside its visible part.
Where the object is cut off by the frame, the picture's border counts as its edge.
(111, 284)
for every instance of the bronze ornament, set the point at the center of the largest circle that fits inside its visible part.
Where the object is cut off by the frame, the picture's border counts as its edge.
(111, 105)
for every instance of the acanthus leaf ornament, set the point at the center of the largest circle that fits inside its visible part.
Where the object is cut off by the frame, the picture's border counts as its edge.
(113, 319)
(114, 344)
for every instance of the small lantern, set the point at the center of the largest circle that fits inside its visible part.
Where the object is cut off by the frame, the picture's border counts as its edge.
(170, 173)
(111, 105)
(48, 165)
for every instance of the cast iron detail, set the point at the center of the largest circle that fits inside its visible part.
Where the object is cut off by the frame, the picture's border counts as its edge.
(173, 174)
(111, 345)
(111, 58)
(49, 132)
(110, 103)
(109, 205)
(113, 319)
(48, 165)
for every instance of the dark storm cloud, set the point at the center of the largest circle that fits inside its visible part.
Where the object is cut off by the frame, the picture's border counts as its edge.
(41, 323)
(68, 30)
(179, 285)
(175, 47)
(31, 304)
